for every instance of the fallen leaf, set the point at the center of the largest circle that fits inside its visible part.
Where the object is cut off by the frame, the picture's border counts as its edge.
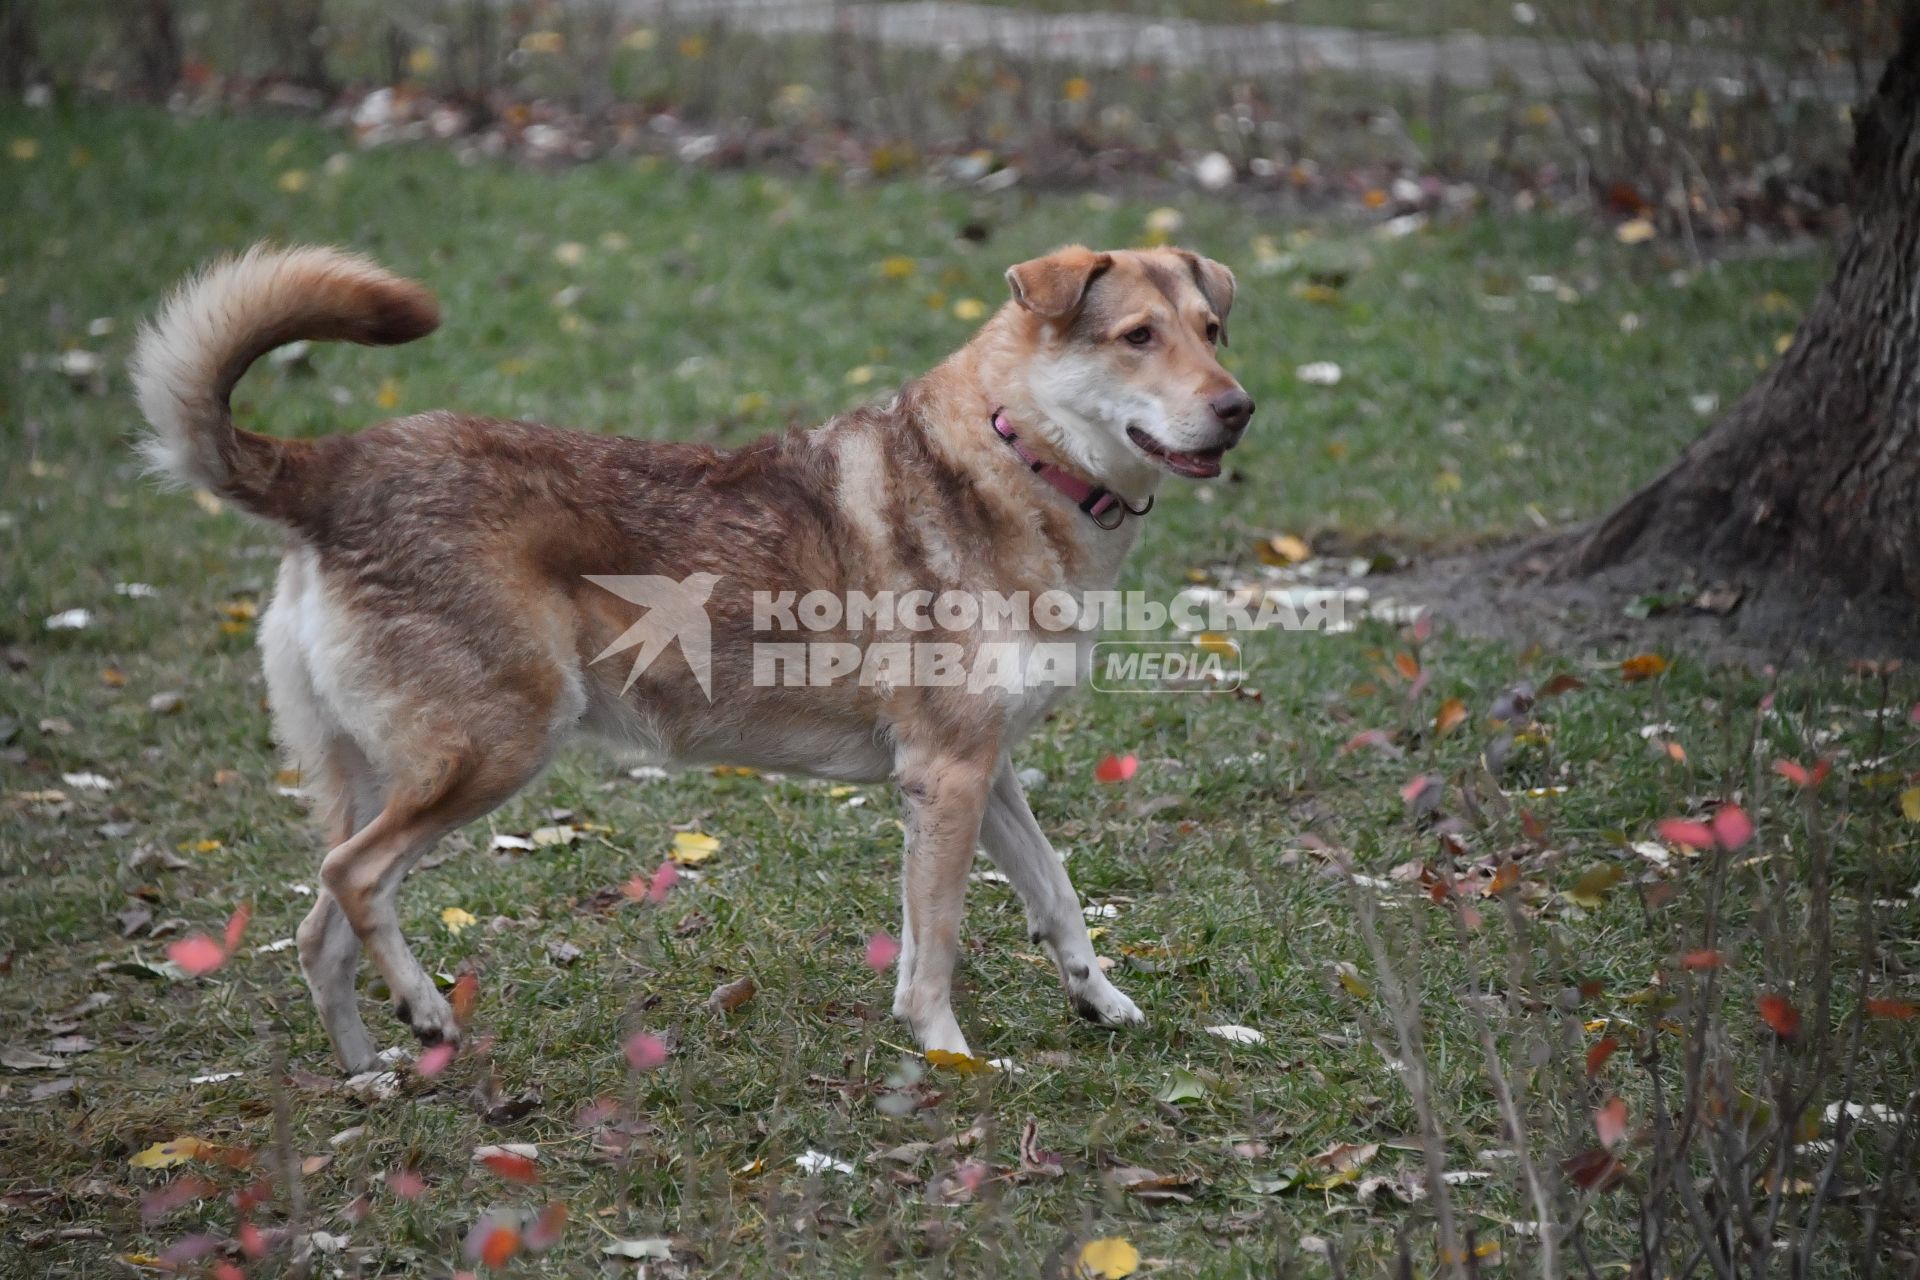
(1693, 835)
(457, 919)
(1452, 714)
(1597, 1056)
(1116, 768)
(1705, 958)
(811, 1161)
(1182, 1086)
(1731, 826)
(17, 1059)
(1591, 889)
(510, 1166)
(1642, 666)
(657, 1248)
(960, 1062)
(165, 1155)
(691, 848)
(1108, 1258)
(1237, 1034)
(1634, 231)
(198, 955)
(731, 995)
(1343, 1161)
(1897, 1010)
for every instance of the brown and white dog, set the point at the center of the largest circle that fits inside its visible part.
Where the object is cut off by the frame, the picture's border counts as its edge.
(434, 631)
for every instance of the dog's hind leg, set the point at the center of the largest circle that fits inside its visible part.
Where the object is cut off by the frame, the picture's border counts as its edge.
(1013, 839)
(329, 948)
(458, 783)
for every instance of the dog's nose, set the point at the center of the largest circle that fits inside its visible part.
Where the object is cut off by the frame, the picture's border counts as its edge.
(1234, 409)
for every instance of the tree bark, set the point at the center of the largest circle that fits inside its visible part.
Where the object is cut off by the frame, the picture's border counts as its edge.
(1814, 473)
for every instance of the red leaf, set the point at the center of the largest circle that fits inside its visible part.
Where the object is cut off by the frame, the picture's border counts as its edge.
(224, 1270)
(252, 1243)
(545, 1232)
(1416, 787)
(1705, 958)
(1377, 739)
(1794, 773)
(237, 925)
(1594, 1170)
(646, 1052)
(465, 994)
(1610, 1122)
(512, 1167)
(1423, 627)
(1779, 1015)
(1731, 826)
(1116, 768)
(665, 876)
(1598, 1055)
(1884, 1007)
(882, 951)
(1694, 835)
(433, 1061)
(406, 1184)
(198, 955)
(499, 1247)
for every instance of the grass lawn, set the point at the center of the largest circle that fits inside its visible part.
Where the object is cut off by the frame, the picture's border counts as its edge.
(1494, 374)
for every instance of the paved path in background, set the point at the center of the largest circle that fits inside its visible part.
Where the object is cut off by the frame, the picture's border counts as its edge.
(1462, 58)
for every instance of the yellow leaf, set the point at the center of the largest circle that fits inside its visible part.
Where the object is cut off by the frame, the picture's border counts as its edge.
(199, 846)
(422, 61)
(24, 148)
(1643, 666)
(1634, 231)
(389, 393)
(545, 836)
(293, 181)
(1284, 549)
(1910, 804)
(456, 919)
(1782, 343)
(1591, 889)
(964, 1064)
(1109, 1258)
(860, 375)
(898, 267)
(693, 46)
(1351, 980)
(691, 848)
(240, 610)
(640, 39)
(543, 42)
(837, 792)
(165, 1155)
(1447, 481)
(207, 502)
(1217, 642)
(969, 309)
(569, 253)
(1316, 292)
(1076, 89)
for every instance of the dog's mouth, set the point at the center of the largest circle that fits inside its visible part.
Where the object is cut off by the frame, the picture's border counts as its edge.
(1200, 464)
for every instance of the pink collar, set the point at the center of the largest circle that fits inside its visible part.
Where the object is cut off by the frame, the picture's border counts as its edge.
(1090, 498)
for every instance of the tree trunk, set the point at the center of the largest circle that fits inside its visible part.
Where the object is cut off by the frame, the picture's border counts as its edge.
(153, 40)
(1815, 472)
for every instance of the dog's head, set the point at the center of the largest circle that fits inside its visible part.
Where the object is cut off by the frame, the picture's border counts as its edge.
(1121, 360)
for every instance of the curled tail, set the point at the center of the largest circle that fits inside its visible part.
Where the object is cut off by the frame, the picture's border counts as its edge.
(186, 362)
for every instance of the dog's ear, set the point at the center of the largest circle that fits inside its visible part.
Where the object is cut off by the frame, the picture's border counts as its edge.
(1053, 287)
(1216, 286)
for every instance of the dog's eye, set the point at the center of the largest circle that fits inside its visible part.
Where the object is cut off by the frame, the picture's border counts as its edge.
(1213, 333)
(1139, 337)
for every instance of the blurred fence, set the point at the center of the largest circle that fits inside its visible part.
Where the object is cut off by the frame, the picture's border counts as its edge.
(1710, 114)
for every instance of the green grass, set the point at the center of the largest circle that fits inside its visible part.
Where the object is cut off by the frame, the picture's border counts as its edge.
(717, 307)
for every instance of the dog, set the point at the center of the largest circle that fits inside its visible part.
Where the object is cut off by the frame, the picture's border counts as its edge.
(449, 583)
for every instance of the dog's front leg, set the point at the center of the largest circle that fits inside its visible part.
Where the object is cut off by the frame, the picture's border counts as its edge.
(1018, 847)
(945, 792)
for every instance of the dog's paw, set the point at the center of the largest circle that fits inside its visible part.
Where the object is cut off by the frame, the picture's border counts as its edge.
(1098, 1000)
(430, 1018)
